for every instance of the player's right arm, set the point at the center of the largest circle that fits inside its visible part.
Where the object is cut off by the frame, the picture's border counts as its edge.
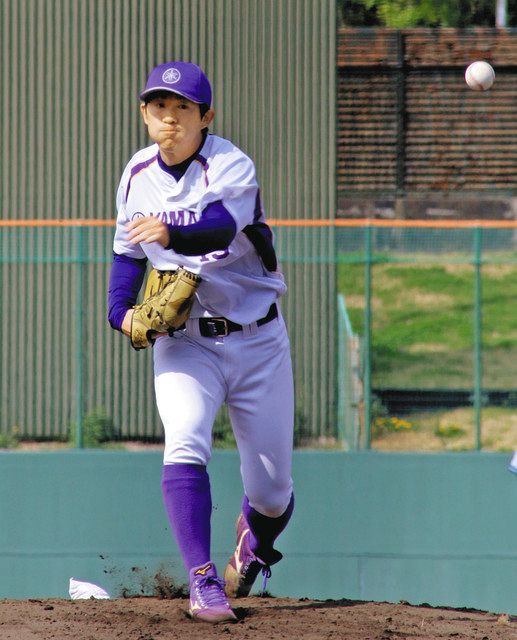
(213, 232)
(231, 202)
(126, 278)
(127, 269)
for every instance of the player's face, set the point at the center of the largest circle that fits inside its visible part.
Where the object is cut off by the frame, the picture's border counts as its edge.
(175, 124)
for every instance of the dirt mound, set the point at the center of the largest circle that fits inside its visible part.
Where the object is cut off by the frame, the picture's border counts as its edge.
(268, 618)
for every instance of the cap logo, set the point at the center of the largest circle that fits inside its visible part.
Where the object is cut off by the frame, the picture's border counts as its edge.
(171, 76)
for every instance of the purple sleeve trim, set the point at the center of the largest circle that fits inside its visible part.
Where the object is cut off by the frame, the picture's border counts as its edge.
(214, 232)
(126, 278)
(136, 169)
(203, 161)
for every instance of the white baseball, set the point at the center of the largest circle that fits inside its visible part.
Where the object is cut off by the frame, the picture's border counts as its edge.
(480, 75)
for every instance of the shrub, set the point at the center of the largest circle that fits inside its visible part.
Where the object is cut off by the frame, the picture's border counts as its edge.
(11, 439)
(97, 428)
(222, 434)
(449, 431)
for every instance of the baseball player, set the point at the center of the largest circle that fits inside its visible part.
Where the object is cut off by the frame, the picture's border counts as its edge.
(191, 202)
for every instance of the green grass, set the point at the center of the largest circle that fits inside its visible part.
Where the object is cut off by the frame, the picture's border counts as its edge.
(450, 430)
(423, 322)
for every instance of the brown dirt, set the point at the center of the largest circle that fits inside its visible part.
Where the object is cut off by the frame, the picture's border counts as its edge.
(268, 618)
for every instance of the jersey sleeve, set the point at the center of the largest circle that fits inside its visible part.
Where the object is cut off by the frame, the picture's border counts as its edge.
(121, 243)
(215, 231)
(232, 181)
(125, 281)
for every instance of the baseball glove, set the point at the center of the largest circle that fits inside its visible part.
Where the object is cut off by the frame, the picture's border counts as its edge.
(168, 299)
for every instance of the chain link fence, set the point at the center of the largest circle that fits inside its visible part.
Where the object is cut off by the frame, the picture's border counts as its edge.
(425, 319)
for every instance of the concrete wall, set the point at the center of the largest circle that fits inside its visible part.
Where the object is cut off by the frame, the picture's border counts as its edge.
(435, 528)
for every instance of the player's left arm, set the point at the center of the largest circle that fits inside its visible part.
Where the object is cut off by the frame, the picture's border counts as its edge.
(240, 194)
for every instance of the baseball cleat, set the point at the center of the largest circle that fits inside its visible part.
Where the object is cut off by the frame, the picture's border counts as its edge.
(244, 566)
(208, 602)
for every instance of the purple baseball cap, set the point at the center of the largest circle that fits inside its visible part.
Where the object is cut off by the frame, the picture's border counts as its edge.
(183, 78)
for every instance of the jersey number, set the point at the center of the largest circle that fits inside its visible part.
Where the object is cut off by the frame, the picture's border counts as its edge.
(217, 255)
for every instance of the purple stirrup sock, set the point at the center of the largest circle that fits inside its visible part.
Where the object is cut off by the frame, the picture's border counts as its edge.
(188, 502)
(264, 530)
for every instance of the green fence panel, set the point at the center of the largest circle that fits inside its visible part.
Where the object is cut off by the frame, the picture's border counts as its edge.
(74, 70)
(435, 307)
(428, 310)
(349, 387)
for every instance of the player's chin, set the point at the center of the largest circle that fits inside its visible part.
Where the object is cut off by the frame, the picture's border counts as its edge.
(169, 143)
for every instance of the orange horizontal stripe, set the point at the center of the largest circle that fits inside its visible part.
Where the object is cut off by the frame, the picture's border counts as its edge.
(367, 222)
(284, 222)
(57, 223)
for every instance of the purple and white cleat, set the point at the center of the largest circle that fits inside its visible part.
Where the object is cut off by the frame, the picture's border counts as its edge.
(244, 566)
(208, 602)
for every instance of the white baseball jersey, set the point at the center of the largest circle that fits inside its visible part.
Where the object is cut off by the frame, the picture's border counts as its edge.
(235, 284)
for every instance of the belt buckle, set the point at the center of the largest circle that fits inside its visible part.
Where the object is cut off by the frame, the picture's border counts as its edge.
(213, 327)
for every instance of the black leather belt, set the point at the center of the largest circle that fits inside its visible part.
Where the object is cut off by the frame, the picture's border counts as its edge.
(220, 327)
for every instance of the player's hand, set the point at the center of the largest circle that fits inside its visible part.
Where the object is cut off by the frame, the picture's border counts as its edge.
(126, 325)
(148, 230)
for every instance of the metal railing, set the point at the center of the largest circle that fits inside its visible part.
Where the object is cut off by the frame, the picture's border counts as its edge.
(373, 244)
(61, 362)
(65, 372)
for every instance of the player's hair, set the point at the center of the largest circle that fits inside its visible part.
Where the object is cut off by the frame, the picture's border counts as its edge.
(203, 107)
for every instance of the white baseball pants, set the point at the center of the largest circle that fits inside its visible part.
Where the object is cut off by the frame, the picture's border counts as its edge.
(251, 372)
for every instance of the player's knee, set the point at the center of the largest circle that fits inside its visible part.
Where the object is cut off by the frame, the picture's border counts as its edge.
(272, 505)
(270, 511)
(175, 454)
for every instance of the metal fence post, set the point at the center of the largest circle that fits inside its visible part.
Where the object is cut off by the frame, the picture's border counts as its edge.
(79, 304)
(342, 371)
(367, 365)
(401, 115)
(478, 365)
